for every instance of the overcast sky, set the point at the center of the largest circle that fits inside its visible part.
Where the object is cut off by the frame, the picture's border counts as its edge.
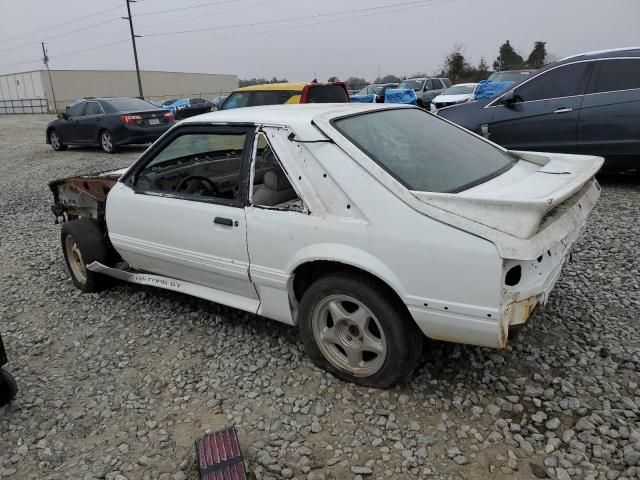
(319, 38)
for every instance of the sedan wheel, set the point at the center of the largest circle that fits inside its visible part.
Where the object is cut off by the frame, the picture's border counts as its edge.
(76, 263)
(349, 335)
(106, 142)
(56, 141)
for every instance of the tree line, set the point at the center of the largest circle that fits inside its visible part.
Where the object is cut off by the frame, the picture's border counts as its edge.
(455, 66)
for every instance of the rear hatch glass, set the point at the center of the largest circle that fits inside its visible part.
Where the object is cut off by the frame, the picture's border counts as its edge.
(327, 94)
(422, 151)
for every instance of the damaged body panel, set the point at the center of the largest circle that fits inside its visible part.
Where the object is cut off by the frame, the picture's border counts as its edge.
(253, 208)
(83, 196)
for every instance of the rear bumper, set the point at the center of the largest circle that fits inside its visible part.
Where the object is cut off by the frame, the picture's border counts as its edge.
(125, 135)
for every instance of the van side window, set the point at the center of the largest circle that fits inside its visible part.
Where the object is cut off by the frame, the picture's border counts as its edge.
(623, 74)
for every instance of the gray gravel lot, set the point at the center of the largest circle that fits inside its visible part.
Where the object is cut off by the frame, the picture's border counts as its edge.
(118, 385)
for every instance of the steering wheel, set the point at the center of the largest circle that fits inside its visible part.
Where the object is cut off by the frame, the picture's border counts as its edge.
(197, 184)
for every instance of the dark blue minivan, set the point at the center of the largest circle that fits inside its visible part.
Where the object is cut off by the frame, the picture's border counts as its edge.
(585, 104)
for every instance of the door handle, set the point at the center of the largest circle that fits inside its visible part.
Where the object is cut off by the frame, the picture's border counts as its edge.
(227, 222)
(563, 110)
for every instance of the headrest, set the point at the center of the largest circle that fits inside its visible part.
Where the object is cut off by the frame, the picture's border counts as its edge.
(276, 181)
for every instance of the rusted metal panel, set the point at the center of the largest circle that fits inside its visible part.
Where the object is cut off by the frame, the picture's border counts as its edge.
(83, 195)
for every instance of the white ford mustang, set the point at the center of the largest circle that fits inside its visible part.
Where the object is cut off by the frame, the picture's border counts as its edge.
(367, 226)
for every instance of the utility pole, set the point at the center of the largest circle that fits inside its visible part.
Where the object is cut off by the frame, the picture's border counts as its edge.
(45, 59)
(133, 41)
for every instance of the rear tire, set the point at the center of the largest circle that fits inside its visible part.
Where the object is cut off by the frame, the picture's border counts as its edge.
(353, 327)
(55, 139)
(8, 387)
(106, 142)
(82, 244)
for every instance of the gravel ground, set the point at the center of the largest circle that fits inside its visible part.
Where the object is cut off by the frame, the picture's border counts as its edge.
(118, 385)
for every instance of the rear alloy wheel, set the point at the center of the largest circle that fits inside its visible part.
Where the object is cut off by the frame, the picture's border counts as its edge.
(355, 328)
(56, 141)
(106, 142)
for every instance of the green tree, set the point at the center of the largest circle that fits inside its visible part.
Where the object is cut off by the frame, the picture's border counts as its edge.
(538, 55)
(388, 79)
(455, 65)
(508, 58)
(247, 82)
(355, 83)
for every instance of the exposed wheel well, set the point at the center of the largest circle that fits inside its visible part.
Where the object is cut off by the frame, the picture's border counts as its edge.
(307, 273)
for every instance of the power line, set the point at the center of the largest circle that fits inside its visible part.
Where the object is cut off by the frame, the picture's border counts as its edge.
(203, 5)
(67, 54)
(51, 27)
(306, 25)
(307, 17)
(106, 22)
(220, 12)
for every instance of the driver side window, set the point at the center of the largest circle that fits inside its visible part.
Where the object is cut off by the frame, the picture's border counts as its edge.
(197, 166)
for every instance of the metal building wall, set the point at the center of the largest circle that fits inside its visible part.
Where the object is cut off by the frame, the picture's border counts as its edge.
(72, 84)
(33, 89)
(22, 93)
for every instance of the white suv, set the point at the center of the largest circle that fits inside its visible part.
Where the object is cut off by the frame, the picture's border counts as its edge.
(368, 226)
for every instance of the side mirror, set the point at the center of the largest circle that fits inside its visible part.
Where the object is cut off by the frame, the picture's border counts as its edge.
(509, 98)
(63, 116)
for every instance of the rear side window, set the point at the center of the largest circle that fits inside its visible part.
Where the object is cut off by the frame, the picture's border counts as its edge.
(618, 75)
(93, 108)
(422, 151)
(272, 97)
(564, 81)
(435, 84)
(327, 94)
(237, 100)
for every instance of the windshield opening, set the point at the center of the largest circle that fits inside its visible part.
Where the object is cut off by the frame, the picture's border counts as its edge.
(412, 84)
(459, 90)
(422, 151)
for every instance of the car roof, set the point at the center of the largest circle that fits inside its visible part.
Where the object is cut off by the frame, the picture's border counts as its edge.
(298, 117)
(297, 86)
(469, 84)
(610, 53)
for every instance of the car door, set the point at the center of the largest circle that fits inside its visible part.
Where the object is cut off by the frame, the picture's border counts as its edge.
(609, 119)
(90, 123)
(179, 211)
(70, 129)
(544, 113)
(432, 88)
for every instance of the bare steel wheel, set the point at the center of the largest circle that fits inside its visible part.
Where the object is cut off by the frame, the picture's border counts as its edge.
(357, 328)
(76, 263)
(349, 335)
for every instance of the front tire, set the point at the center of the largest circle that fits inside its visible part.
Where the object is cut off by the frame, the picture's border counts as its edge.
(8, 387)
(82, 244)
(354, 328)
(55, 139)
(106, 142)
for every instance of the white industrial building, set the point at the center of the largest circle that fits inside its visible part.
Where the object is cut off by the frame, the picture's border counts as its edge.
(34, 91)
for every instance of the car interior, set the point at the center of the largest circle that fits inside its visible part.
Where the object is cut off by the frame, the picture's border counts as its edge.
(190, 166)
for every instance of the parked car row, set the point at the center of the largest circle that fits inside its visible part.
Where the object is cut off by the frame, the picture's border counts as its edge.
(584, 104)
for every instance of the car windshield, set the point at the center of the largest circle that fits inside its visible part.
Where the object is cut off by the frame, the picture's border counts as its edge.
(129, 104)
(411, 84)
(459, 90)
(422, 151)
(196, 101)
